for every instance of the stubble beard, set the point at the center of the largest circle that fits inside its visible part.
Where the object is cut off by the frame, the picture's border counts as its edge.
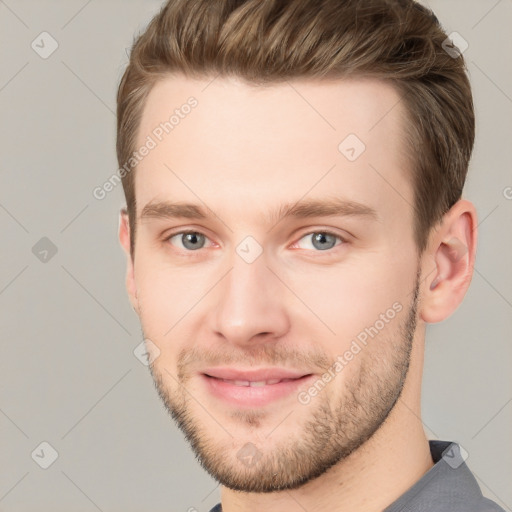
(336, 426)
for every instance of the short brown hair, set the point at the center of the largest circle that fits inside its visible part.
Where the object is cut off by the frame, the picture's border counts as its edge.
(271, 41)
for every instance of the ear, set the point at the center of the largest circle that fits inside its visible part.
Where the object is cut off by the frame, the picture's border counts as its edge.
(448, 262)
(124, 239)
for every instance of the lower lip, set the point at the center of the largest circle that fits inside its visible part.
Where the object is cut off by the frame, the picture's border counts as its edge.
(253, 396)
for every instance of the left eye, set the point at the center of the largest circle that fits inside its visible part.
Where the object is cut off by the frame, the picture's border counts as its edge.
(321, 240)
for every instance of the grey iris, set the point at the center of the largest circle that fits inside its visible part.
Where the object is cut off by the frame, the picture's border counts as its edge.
(319, 240)
(189, 239)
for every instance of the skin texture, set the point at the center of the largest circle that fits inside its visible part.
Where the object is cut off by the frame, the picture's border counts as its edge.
(242, 152)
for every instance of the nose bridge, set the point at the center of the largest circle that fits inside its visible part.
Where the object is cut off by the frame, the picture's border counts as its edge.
(249, 300)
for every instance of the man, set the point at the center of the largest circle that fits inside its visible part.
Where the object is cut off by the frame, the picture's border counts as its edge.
(293, 174)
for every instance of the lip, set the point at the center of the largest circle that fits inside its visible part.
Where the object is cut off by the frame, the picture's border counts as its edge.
(235, 386)
(254, 375)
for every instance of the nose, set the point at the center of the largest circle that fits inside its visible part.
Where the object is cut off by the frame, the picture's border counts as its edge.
(250, 304)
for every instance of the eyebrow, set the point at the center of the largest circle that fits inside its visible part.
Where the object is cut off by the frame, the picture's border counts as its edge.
(300, 210)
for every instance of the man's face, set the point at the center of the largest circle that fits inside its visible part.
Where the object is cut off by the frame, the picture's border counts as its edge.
(282, 342)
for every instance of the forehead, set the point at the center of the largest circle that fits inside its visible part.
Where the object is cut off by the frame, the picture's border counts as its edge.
(362, 105)
(225, 138)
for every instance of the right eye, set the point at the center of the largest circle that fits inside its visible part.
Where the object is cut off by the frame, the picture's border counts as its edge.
(187, 240)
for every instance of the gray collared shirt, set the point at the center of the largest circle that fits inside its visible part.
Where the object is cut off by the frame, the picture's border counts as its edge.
(448, 486)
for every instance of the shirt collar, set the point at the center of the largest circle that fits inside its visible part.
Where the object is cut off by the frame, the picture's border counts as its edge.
(448, 486)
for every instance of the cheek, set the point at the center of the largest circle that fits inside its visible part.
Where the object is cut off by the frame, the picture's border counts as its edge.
(167, 297)
(351, 296)
(166, 292)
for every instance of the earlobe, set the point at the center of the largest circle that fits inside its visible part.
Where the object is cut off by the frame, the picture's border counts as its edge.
(452, 249)
(124, 239)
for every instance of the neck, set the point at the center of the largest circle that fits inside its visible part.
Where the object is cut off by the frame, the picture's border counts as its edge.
(372, 477)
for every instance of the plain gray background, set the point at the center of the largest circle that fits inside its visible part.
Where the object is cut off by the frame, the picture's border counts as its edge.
(69, 376)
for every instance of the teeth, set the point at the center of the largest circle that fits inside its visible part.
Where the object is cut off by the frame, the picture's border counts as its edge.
(254, 384)
(240, 382)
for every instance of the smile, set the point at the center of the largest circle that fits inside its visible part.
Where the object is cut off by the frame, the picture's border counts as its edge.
(253, 388)
(255, 383)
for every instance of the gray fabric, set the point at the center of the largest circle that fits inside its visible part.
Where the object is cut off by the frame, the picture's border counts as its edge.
(449, 486)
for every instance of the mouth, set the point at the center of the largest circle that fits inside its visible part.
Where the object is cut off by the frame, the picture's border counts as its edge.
(253, 388)
(253, 383)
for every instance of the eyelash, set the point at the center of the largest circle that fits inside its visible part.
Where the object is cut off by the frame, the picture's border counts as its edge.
(323, 231)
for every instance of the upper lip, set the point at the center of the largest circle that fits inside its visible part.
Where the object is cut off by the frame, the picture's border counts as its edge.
(262, 374)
